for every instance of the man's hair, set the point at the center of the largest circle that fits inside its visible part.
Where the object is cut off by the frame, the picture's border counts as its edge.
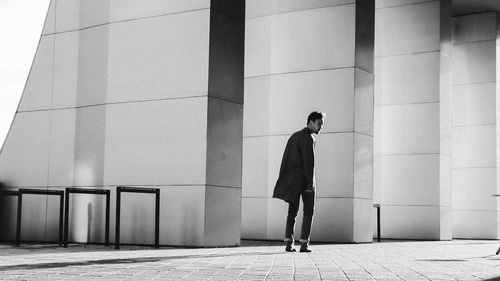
(315, 115)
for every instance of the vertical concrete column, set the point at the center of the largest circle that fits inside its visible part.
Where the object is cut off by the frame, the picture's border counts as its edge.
(412, 118)
(183, 130)
(225, 123)
(135, 94)
(302, 56)
(475, 211)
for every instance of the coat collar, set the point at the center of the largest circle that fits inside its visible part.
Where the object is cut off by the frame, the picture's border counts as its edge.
(306, 130)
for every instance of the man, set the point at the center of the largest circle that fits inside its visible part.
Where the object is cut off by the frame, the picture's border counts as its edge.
(297, 179)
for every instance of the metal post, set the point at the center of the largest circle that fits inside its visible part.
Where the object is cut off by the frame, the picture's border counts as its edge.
(378, 223)
(106, 233)
(157, 219)
(61, 216)
(117, 221)
(66, 218)
(19, 215)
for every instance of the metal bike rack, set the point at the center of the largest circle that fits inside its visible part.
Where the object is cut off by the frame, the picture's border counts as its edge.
(23, 191)
(70, 190)
(127, 189)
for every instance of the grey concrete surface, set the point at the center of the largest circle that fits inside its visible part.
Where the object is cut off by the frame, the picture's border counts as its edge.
(256, 260)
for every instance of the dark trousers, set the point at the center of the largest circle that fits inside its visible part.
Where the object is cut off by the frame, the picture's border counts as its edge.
(308, 201)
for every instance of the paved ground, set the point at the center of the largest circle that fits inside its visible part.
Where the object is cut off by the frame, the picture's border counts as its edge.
(450, 260)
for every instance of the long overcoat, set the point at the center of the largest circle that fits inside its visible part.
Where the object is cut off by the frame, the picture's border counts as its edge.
(297, 167)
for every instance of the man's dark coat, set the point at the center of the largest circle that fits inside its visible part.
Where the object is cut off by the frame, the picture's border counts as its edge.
(297, 167)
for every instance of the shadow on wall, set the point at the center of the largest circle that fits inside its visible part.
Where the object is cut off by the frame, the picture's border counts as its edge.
(7, 214)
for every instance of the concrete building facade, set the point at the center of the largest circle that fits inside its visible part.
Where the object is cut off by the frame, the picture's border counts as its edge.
(198, 98)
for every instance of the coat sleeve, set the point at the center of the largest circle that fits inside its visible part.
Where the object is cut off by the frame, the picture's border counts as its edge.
(307, 150)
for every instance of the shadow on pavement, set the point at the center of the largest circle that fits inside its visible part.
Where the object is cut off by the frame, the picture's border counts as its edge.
(8, 249)
(127, 261)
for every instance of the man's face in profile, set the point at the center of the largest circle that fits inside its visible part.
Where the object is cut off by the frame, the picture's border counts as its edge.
(317, 125)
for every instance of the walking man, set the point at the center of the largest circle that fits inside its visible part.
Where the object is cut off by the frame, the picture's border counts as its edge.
(297, 179)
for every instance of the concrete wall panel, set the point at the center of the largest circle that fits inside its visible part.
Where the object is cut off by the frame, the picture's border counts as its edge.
(146, 142)
(254, 216)
(76, 14)
(474, 104)
(335, 163)
(62, 147)
(24, 158)
(363, 102)
(336, 217)
(362, 220)
(276, 220)
(256, 176)
(37, 92)
(224, 145)
(365, 35)
(407, 79)
(407, 29)
(409, 179)
(472, 189)
(363, 166)
(258, 46)
(330, 91)
(379, 4)
(182, 215)
(34, 217)
(472, 63)
(475, 224)
(93, 54)
(90, 146)
(148, 65)
(473, 146)
(445, 181)
(8, 218)
(474, 28)
(81, 68)
(222, 216)
(257, 106)
(136, 9)
(66, 59)
(411, 222)
(401, 130)
(226, 63)
(303, 41)
(260, 8)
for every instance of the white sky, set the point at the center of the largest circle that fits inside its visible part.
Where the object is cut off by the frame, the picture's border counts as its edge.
(21, 23)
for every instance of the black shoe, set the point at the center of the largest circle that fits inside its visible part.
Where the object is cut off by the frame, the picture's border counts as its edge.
(289, 246)
(304, 248)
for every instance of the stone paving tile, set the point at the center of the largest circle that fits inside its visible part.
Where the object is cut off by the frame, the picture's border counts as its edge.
(464, 260)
